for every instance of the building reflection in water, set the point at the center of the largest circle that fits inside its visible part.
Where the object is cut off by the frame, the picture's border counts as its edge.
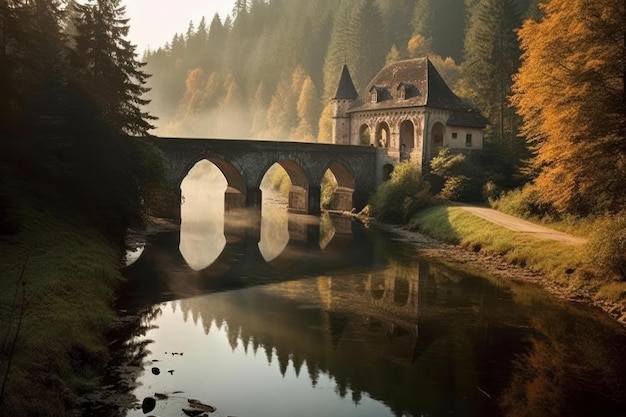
(311, 321)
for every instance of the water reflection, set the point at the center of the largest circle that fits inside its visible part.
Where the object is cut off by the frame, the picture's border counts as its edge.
(274, 226)
(282, 237)
(295, 315)
(202, 216)
(400, 337)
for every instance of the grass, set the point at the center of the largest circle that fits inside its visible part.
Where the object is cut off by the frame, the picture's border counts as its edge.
(69, 278)
(562, 263)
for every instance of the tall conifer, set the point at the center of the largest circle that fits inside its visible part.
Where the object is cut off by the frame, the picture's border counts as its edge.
(107, 66)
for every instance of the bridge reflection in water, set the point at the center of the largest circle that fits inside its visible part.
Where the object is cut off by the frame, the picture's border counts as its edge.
(356, 312)
(392, 334)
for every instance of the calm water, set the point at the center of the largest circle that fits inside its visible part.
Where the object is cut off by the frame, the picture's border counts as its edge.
(300, 316)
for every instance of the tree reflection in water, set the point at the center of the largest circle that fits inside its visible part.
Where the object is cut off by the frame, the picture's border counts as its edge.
(391, 333)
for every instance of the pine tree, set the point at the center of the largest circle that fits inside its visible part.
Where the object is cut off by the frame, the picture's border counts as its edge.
(397, 15)
(107, 66)
(370, 36)
(491, 59)
(216, 40)
(31, 52)
(341, 49)
(441, 24)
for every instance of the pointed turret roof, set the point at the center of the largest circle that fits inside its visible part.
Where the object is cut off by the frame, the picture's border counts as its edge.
(346, 89)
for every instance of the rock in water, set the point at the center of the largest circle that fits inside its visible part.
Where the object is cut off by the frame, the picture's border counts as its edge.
(192, 412)
(148, 405)
(201, 406)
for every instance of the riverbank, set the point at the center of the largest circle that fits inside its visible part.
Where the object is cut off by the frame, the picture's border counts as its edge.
(465, 240)
(56, 298)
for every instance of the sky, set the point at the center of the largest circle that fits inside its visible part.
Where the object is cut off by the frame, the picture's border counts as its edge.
(154, 22)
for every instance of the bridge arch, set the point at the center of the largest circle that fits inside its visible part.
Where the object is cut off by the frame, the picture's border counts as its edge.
(298, 201)
(236, 190)
(342, 196)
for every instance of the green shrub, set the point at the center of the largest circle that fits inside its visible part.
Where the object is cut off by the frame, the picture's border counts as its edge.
(527, 203)
(491, 192)
(606, 248)
(403, 195)
(461, 178)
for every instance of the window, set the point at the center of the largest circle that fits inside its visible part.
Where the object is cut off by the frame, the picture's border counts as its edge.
(468, 139)
(374, 100)
(454, 135)
(402, 93)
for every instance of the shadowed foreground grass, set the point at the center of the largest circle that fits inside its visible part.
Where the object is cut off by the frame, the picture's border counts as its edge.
(562, 263)
(70, 273)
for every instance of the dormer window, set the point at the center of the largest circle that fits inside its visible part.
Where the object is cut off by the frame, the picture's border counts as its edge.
(402, 92)
(374, 96)
(406, 91)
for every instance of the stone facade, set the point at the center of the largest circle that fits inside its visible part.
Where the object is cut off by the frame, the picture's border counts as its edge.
(407, 109)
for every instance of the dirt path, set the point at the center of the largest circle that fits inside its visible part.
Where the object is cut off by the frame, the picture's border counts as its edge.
(521, 226)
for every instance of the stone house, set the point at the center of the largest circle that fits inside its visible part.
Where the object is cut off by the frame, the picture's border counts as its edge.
(408, 109)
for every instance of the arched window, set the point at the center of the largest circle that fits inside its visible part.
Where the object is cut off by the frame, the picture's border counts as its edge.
(382, 135)
(365, 137)
(436, 136)
(407, 139)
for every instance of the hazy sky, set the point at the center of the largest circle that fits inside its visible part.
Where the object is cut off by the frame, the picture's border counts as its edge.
(154, 22)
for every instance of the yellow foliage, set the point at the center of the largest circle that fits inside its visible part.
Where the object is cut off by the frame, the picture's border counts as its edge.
(570, 94)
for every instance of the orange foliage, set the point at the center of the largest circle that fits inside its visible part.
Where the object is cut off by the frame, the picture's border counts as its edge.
(570, 93)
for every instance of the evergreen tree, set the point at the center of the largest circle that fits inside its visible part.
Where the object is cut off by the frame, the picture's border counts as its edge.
(107, 66)
(341, 49)
(491, 59)
(423, 18)
(216, 41)
(31, 52)
(441, 23)
(370, 36)
(397, 16)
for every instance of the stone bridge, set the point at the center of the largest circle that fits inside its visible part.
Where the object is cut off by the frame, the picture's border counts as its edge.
(357, 169)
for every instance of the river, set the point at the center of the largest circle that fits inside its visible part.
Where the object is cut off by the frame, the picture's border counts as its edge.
(291, 315)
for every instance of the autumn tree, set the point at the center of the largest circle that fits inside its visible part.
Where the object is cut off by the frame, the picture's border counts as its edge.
(308, 113)
(570, 94)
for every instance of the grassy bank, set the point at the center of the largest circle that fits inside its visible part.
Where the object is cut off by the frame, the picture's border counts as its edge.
(563, 265)
(59, 277)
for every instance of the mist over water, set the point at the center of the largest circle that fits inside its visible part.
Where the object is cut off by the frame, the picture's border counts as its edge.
(202, 215)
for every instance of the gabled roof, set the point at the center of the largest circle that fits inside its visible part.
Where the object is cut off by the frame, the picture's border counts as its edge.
(346, 89)
(427, 88)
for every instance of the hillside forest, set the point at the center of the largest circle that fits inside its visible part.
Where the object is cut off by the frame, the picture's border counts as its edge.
(270, 68)
(76, 97)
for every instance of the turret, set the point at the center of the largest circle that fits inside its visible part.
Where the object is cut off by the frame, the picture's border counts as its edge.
(343, 99)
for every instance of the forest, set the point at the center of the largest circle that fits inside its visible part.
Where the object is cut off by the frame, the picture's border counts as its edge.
(270, 68)
(72, 91)
(75, 97)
